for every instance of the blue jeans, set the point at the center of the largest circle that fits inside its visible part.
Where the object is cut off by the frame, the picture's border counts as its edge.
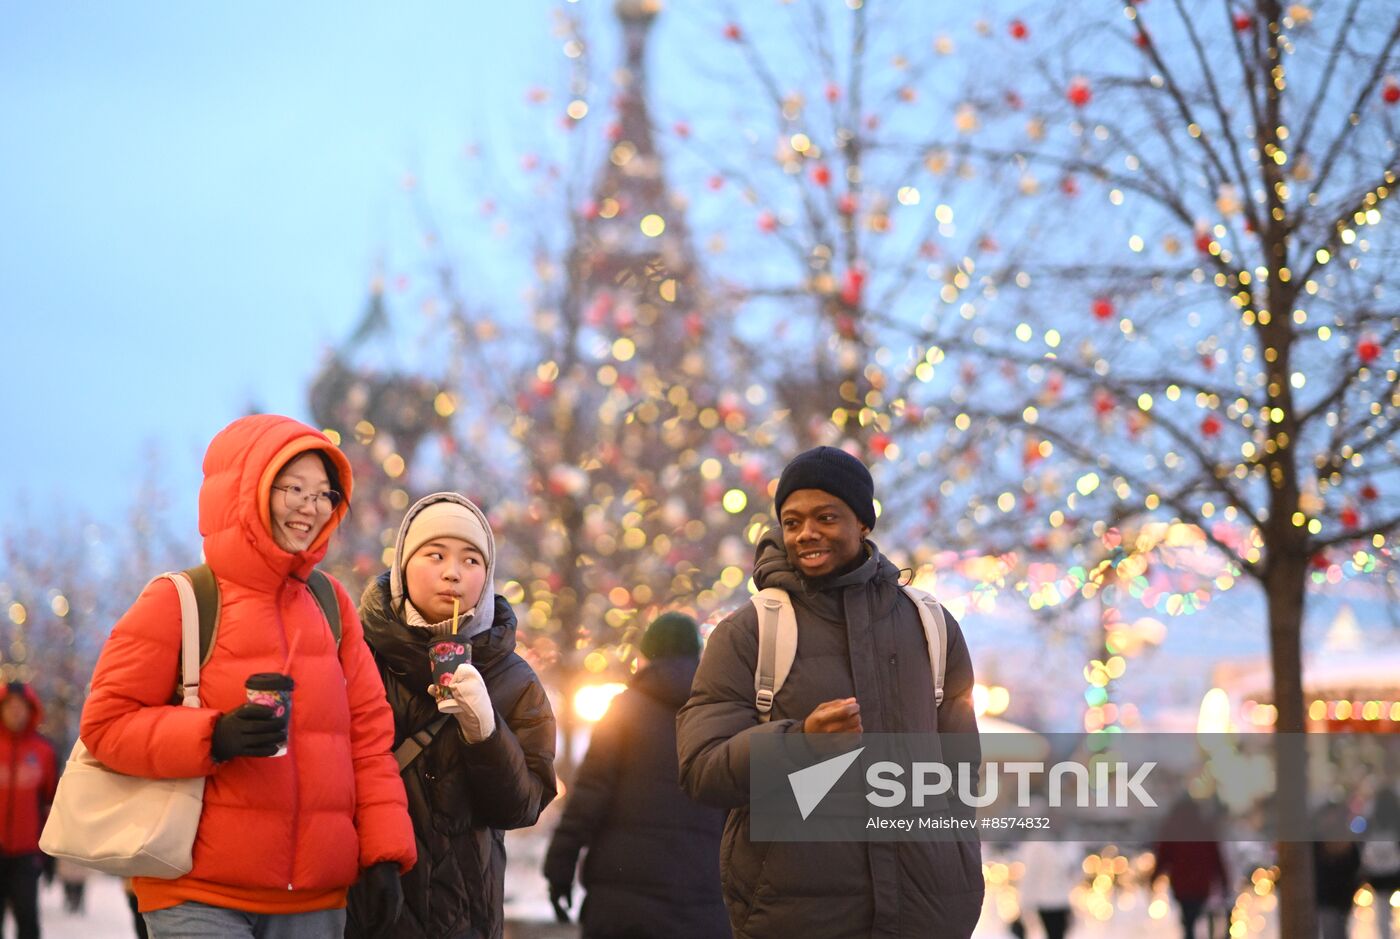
(201, 921)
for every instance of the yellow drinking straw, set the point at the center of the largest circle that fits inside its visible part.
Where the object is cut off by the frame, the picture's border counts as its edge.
(454, 616)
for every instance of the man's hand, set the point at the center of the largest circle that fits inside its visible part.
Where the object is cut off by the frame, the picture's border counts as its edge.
(841, 716)
(561, 895)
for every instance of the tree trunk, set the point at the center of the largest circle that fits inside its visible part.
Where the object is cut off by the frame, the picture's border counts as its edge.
(1284, 589)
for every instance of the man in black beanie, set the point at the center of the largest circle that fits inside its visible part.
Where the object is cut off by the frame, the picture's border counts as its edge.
(862, 664)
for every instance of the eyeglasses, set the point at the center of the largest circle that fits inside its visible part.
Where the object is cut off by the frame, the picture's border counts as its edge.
(296, 497)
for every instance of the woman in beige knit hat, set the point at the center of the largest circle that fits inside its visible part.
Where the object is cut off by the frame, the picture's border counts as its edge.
(476, 756)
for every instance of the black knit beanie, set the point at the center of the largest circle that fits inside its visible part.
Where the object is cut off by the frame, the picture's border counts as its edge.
(834, 471)
(671, 636)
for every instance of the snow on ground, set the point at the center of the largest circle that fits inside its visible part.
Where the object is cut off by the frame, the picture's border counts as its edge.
(106, 916)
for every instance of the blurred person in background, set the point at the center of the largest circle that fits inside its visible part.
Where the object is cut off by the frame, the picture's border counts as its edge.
(28, 777)
(74, 879)
(1336, 872)
(1194, 869)
(1052, 870)
(651, 866)
(1380, 855)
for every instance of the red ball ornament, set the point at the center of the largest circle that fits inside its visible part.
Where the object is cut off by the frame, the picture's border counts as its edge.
(1203, 241)
(1320, 562)
(1142, 40)
(1243, 21)
(1370, 493)
(846, 205)
(1103, 308)
(733, 33)
(1069, 186)
(1018, 30)
(833, 92)
(1368, 350)
(1210, 426)
(821, 174)
(1390, 91)
(1103, 402)
(879, 444)
(694, 325)
(716, 183)
(682, 129)
(767, 222)
(1349, 517)
(852, 286)
(1079, 93)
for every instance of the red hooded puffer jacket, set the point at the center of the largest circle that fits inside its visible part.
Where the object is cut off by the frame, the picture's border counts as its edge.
(28, 776)
(278, 835)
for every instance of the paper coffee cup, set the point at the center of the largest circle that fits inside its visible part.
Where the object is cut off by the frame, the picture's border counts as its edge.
(273, 690)
(444, 655)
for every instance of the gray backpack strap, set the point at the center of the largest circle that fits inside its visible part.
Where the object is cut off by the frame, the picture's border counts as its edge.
(935, 625)
(777, 646)
(408, 751)
(768, 614)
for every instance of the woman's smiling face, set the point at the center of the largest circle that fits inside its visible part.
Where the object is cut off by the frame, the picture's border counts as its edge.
(298, 507)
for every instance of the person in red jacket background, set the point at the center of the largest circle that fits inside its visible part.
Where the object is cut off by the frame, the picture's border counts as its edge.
(281, 838)
(28, 776)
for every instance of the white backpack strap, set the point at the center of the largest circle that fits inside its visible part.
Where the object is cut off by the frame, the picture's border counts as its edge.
(935, 634)
(777, 646)
(189, 637)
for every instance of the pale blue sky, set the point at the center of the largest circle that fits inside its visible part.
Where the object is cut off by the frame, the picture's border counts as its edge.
(194, 197)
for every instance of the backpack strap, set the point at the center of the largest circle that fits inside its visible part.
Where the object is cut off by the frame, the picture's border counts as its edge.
(777, 646)
(935, 634)
(189, 638)
(324, 591)
(408, 751)
(206, 595)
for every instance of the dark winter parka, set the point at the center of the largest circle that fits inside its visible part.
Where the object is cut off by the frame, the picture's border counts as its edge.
(652, 867)
(858, 636)
(461, 796)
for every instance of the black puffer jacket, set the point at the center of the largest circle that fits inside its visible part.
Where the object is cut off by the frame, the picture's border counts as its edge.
(461, 796)
(858, 636)
(652, 867)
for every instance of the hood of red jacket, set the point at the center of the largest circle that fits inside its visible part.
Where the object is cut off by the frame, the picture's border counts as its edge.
(36, 710)
(234, 502)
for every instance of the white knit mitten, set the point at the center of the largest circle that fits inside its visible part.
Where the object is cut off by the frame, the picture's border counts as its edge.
(476, 717)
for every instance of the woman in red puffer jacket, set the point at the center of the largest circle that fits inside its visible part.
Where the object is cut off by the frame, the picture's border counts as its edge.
(281, 839)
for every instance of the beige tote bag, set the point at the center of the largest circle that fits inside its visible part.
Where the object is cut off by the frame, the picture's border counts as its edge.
(129, 825)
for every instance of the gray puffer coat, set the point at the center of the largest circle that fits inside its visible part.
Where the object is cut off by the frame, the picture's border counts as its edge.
(858, 636)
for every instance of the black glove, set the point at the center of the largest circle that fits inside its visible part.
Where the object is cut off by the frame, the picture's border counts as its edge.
(561, 894)
(383, 898)
(250, 730)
